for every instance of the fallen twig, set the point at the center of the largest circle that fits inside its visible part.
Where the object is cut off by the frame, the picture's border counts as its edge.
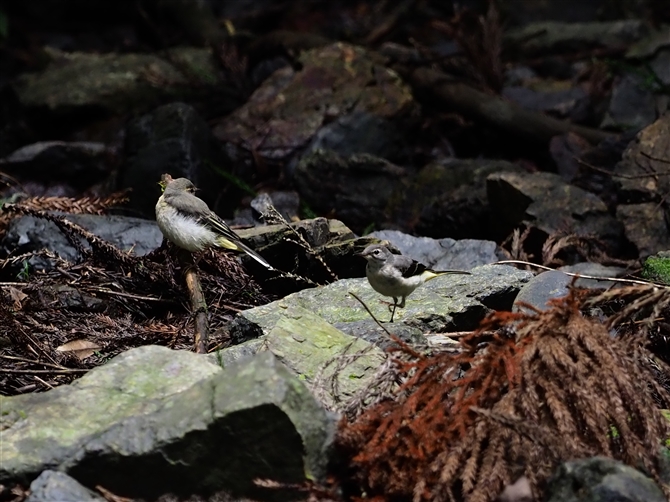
(199, 308)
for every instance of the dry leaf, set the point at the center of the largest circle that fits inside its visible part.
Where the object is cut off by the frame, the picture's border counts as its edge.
(80, 348)
(17, 297)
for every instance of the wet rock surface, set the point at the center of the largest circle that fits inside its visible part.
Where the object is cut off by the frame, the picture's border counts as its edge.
(168, 411)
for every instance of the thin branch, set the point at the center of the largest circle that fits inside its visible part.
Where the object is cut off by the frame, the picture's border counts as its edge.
(54, 371)
(581, 276)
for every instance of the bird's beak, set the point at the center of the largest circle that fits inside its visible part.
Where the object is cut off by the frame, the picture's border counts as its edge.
(362, 254)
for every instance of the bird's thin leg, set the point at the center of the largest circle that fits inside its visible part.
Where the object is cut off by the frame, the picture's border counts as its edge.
(402, 303)
(395, 304)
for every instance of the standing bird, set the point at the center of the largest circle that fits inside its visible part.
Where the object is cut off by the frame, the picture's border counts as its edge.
(397, 275)
(188, 222)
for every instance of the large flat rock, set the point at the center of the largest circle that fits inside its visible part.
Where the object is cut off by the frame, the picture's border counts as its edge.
(154, 420)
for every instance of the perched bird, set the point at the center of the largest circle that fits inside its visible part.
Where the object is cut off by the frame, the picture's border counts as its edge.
(396, 275)
(187, 221)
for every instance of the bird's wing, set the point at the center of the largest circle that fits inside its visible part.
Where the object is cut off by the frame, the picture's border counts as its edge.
(411, 268)
(190, 205)
(408, 266)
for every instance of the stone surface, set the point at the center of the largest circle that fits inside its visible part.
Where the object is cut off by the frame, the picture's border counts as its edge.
(284, 115)
(360, 132)
(600, 479)
(449, 199)
(113, 83)
(28, 233)
(632, 105)
(82, 163)
(661, 66)
(358, 189)
(330, 239)
(54, 486)
(308, 346)
(595, 270)
(559, 102)
(542, 288)
(173, 139)
(153, 421)
(645, 156)
(645, 226)
(442, 254)
(447, 303)
(548, 203)
(550, 36)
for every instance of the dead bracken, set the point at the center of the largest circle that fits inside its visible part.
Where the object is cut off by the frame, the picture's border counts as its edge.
(544, 388)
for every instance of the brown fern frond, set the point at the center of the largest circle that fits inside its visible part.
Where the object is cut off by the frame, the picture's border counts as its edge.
(83, 205)
(545, 388)
(564, 248)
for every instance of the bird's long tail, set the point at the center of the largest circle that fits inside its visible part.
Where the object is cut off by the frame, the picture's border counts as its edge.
(432, 274)
(254, 255)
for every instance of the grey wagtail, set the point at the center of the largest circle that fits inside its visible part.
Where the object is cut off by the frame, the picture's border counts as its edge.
(188, 222)
(396, 275)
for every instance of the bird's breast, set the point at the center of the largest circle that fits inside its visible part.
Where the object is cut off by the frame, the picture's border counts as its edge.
(183, 231)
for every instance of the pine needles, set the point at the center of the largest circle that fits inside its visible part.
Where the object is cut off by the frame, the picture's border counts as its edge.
(543, 389)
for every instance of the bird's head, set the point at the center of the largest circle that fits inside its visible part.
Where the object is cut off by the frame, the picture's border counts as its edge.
(375, 253)
(180, 185)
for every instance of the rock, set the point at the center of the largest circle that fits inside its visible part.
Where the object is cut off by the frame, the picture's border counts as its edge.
(172, 139)
(81, 163)
(554, 37)
(287, 203)
(304, 342)
(565, 151)
(54, 486)
(648, 46)
(154, 420)
(645, 226)
(559, 102)
(447, 303)
(542, 288)
(442, 254)
(595, 270)
(28, 233)
(661, 66)
(331, 240)
(357, 190)
(519, 491)
(360, 132)
(341, 87)
(632, 105)
(553, 284)
(449, 199)
(548, 203)
(114, 83)
(599, 479)
(645, 156)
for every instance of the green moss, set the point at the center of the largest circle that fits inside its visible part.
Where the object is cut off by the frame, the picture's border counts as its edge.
(657, 269)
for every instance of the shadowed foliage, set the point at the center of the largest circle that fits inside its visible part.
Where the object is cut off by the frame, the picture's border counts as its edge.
(544, 388)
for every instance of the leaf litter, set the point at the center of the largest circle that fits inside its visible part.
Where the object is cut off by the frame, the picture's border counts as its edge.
(55, 326)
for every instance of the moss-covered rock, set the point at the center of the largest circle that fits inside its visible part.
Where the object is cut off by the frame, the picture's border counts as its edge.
(657, 268)
(154, 420)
